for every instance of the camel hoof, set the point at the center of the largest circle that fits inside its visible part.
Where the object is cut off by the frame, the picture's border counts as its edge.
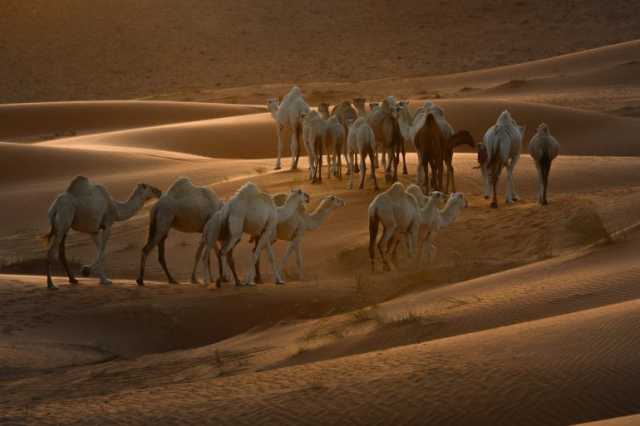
(140, 282)
(195, 281)
(73, 281)
(544, 202)
(279, 282)
(494, 205)
(174, 282)
(278, 167)
(105, 282)
(51, 286)
(86, 271)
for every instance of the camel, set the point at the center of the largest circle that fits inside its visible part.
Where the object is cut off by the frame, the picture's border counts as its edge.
(384, 124)
(543, 148)
(399, 214)
(87, 207)
(293, 230)
(420, 197)
(373, 106)
(346, 115)
(314, 130)
(288, 118)
(361, 140)
(183, 207)
(462, 137)
(335, 146)
(360, 104)
(249, 211)
(428, 141)
(434, 220)
(503, 142)
(323, 109)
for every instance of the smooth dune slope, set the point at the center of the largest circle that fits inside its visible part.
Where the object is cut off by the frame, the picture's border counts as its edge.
(32, 121)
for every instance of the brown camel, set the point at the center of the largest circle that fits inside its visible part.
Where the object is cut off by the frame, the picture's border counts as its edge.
(346, 114)
(429, 147)
(461, 137)
(384, 123)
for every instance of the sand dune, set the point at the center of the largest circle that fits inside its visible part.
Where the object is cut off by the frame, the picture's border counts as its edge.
(33, 121)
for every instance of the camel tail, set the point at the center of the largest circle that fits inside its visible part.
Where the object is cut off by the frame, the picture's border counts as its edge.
(545, 166)
(46, 238)
(373, 234)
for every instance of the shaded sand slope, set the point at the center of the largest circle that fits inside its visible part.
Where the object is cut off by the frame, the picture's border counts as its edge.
(33, 121)
(563, 369)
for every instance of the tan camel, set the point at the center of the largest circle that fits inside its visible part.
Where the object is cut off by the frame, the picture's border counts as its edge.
(185, 208)
(462, 137)
(433, 220)
(88, 208)
(384, 124)
(293, 230)
(288, 118)
(253, 212)
(314, 130)
(335, 146)
(361, 140)
(429, 146)
(346, 115)
(543, 148)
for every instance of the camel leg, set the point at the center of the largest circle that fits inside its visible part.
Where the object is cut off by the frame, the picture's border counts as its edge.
(299, 261)
(545, 183)
(383, 243)
(51, 256)
(512, 166)
(405, 171)
(494, 186)
(363, 170)
(255, 257)
(233, 237)
(373, 172)
(274, 265)
(294, 149)
(486, 182)
(86, 269)
(453, 178)
(63, 259)
(279, 134)
(158, 229)
(287, 253)
(163, 261)
(194, 279)
(350, 167)
(355, 163)
(99, 268)
(60, 225)
(258, 275)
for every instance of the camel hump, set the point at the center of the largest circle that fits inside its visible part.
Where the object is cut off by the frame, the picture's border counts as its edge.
(79, 186)
(248, 190)
(396, 189)
(505, 119)
(181, 187)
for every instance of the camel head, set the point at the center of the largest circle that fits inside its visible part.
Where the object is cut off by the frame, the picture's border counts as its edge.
(403, 103)
(359, 103)
(147, 191)
(272, 105)
(335, 201)
(543, 129)
(458, 199)
(299, 196)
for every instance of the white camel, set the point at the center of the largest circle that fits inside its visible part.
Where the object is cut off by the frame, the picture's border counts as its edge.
(293, 230)
(314, 131)
(87, 207)
(502, 144)
(420, 197)
(543, 148)
(288, 118)
(185, 208)
(362, 141)
(253, 212)
(398, 212)
(433, 220)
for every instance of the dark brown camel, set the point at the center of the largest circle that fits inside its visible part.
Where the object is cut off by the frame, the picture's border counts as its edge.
(429, 147)
(462, 137)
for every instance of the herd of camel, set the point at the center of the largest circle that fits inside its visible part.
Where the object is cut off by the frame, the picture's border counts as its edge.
(410, 214)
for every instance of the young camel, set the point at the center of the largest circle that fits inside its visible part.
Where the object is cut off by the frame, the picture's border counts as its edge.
(543, 148)
(88, 208)
(185, 208)
(434, 220)
(314, 130)
(502, 145)
(288, 118)
(361, 140)
(293, 230)
(429, 146)
(249, 211)
(462, 137)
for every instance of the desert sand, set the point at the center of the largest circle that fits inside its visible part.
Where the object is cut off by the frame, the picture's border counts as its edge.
(528, 314)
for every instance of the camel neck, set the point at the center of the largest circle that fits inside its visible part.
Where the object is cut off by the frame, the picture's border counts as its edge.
(315, 219)
(130, 207)
(287, 210)
(274, 111)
